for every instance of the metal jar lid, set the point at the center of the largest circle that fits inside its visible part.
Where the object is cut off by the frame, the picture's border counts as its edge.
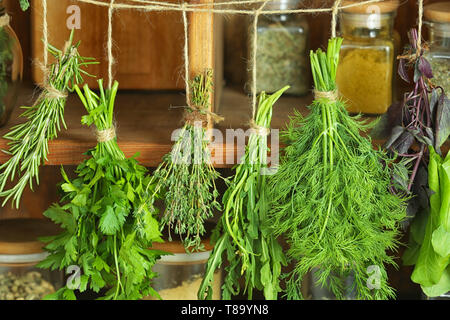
(438, 12)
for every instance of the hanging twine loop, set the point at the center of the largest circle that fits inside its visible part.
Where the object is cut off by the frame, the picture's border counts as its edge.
(4, 20)
(419, 28)
(335, 12)
(106, 135)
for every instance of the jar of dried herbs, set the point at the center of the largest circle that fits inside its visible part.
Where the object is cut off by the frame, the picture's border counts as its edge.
(366, 66)
(11, 67)
(438, 20)
(20, 252)
(282, 55)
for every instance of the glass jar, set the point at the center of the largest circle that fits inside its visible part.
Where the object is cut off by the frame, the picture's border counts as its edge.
(20, 252)
(367, 59)
(180, 274)
(282, 55)
(438, 20)
(11, 67)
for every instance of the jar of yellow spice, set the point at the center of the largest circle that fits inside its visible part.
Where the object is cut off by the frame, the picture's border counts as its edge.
(366, 67)
(438, 20)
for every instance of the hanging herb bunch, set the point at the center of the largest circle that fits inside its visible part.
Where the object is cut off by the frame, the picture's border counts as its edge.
(28, 141)
(108, 221)
(424, 117)
(417, 141)
(251, 252)
(186, 177)
(330, 197)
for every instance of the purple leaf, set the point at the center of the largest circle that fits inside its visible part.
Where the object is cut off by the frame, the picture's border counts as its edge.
(402, 70)
(404, 142)
(425, 68)
(395, 134)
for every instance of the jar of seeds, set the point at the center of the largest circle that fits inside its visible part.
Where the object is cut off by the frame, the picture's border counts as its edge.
(20, 251)
(438, 20)
(282, 55)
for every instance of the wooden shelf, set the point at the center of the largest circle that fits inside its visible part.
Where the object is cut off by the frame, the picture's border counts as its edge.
(146, 121)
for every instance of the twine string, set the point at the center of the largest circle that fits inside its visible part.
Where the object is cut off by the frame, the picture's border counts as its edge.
(419, 27)
(259, 130)
(335, 12)
(254, 54)
(105, 135)
(4, 20)
(109, 44)
(45, 36)
(329, 95)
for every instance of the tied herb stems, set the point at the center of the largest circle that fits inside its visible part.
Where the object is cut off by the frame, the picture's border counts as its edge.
(28, 141)
(106, 215)
(330, 197)
(251, 251)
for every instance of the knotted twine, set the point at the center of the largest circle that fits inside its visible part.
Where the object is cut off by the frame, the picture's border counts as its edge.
(105, 135)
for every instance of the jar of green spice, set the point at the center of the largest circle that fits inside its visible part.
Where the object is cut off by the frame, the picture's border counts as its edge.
(282, 55)
(438, 20)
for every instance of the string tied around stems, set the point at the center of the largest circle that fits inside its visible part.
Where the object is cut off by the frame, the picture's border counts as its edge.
(329, 95)
(194, 114)
(106, 135)
(259, 130)
(4, 20)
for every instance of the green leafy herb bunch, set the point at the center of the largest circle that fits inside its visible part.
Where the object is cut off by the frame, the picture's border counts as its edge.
(108, 221)
(28, 141)
(186, 177)
(251, 252)
(331, 196)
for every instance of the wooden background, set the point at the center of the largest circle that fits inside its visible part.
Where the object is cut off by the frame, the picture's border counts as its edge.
(34, 203)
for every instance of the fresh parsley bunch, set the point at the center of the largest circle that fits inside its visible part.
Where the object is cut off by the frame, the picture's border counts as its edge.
(108, 221)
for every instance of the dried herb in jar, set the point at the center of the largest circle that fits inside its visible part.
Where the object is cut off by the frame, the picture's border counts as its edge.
(281, 56)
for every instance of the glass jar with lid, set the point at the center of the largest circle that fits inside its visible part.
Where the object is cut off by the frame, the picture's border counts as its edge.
(366, 70)
(11, 67)
(282, 55)
(180, 274)
(20, 252)
(437, 17)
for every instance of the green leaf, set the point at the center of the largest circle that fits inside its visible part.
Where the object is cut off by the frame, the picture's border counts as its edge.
(69, 295)
(440, 288)
(109, 223)
(441, 241)
(24, 4)
(97, 281)
(59, 216)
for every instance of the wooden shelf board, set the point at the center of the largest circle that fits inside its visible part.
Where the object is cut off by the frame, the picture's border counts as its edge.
(145, 122)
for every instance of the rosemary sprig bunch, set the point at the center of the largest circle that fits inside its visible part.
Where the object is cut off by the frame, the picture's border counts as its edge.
(28, 145)
(186, 176)
(330, 197)
(106, 214)
(251, 251)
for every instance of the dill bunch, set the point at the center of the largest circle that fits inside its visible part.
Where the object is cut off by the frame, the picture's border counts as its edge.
(186, 177)
(28, 141)
(251, 251)
(330, 197)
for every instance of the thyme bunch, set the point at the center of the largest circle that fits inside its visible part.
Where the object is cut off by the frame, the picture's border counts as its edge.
(186, 177)
(28, 141)
(330, 197)
(251, 251)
